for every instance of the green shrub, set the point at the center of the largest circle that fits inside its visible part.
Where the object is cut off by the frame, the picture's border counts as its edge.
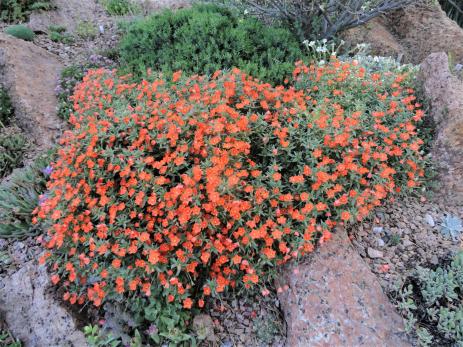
(21, 32)
(58, 34)
(6, 108)
(86, 30)
(41, 6)
(20, 196)
(19, 10)
(168, 191)
(204, 39)
(431, 302)
(120, 7)
(57, 28)
(13, 145)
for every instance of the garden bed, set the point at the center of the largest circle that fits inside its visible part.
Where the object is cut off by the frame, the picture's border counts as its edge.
(172, 227)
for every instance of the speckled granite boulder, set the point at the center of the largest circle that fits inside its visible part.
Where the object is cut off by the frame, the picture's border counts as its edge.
(30, 74)
(32, 313)
(444, 91)
(334, 299)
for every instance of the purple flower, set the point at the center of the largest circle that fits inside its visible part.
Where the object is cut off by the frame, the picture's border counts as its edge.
(152, 330)
(47, 171)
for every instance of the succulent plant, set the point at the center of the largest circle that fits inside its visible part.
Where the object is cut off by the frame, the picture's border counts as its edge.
(452, 227)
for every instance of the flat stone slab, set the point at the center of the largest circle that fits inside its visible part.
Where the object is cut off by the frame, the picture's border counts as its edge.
(33, 314)
(334, 299)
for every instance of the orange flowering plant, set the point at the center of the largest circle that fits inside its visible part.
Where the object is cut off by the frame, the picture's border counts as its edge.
(177, 189)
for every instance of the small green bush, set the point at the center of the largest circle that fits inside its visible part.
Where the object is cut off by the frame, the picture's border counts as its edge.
(58, 34)
(206, 38)
(12, 148)
(6, 109)
(119, 7)
(86, 30)
(431, 302)
(21, 32)
(41, 6)
(19, 10)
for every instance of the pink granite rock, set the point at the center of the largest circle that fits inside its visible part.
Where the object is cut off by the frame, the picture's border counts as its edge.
(335, 300)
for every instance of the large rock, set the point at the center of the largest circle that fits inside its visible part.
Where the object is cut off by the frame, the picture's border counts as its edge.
(30, 75)
(32, 313)
(444, 91)
(426, 29)
(377, 35)
(67, 13)
(411, 33)
(335, 300)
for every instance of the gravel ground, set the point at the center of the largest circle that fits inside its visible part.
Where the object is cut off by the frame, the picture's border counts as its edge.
(255, 321)
(405, 234)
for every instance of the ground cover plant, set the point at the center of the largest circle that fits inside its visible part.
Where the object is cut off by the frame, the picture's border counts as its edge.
(206, 38)
(168, 191)
(431, 302)
(20, 196)
(6, 108)
(13, 145)
(120, 7)
(21, 32)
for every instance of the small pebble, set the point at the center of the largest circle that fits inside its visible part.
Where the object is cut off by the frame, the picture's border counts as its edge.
(380, 243)
(378, 230)
(429, 220)
(374, 253)
(434, 260)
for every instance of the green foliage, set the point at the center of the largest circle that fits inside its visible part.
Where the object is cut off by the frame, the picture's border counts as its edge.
(206, 38)
(41, 6)
(120, 7)
(432, 304)
(20, 196)
(7, 340)
(96, 338)
(21, 32)
(58, 34)
(12, 148)
(19, 10)
(454, 9)
(394, 240)
(6, 108)
(86, 30)
(57, 28)
(452, 227)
